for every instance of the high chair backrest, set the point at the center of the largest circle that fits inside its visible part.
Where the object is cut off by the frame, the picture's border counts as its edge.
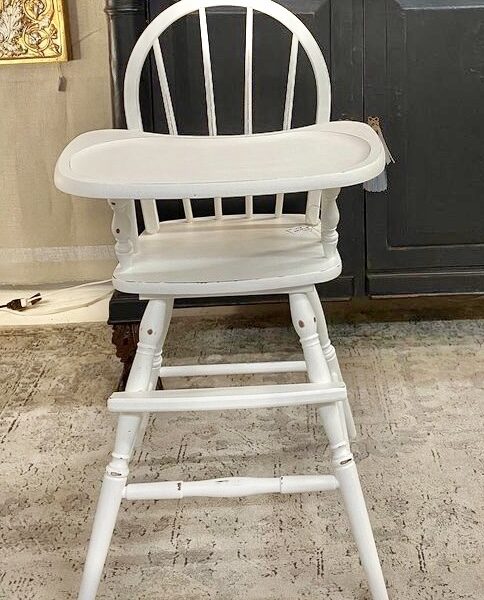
(149, 40)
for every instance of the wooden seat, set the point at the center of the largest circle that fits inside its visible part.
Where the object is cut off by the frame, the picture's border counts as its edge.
(226, 255)
(223, 256)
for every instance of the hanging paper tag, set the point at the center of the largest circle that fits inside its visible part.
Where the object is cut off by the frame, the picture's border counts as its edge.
(374, 123)
(379, 183)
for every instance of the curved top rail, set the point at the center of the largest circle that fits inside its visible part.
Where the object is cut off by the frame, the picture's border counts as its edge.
(184, 7)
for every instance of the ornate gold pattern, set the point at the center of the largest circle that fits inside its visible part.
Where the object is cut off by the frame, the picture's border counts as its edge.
(32, 31)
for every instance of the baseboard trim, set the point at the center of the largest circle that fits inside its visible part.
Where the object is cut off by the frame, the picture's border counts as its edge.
(391, 284)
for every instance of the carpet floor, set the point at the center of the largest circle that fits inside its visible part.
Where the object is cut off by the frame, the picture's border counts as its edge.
(416, 392)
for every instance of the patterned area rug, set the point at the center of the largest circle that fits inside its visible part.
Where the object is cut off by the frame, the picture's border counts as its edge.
(416, 391)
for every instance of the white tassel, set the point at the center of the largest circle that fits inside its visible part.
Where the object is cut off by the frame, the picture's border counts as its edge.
(379, 183)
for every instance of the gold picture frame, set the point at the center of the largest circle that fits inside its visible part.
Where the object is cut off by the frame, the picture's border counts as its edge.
(33, 31)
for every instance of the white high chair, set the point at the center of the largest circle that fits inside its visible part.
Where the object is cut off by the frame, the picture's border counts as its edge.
(226, 255)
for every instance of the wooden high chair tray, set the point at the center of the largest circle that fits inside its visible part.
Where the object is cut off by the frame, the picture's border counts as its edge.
(118, 163)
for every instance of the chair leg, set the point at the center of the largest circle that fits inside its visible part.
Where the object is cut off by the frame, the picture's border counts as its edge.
(347, 475)
(330, 356)
(107, 510)
(305, 323)
(157, 360)
(165, 317)
(153, 326)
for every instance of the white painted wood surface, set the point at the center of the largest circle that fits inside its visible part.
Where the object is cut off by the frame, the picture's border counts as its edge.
(306, 325)
(169, 112)
(288, 105)
(231, 398)
(226, 255)
(207, 72)
(209, 95)
(287, 366)
(165, 88)
(115, 163)
(230, 487)
(329, 221)
(152, 328)
(185, 7)
(86, 175)
(249, 35)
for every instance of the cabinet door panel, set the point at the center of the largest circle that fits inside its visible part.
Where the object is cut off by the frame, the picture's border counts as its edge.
(424, 78)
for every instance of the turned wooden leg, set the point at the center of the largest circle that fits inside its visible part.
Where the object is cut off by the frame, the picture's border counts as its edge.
(140, 378)
(125, 339)
(331, 358)
(155, 381)
(349, 483)
(113, 484)
(305, 323)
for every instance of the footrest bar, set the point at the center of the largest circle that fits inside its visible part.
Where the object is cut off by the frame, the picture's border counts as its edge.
(288, 366)
(229, 487)
(263, 396)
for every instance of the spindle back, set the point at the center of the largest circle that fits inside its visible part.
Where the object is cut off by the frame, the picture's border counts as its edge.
(149, 40)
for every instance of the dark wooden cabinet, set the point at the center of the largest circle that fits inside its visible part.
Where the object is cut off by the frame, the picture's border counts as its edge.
(424, 77)
(418, 66)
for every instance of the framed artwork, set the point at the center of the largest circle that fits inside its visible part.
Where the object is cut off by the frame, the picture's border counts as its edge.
(33, 31)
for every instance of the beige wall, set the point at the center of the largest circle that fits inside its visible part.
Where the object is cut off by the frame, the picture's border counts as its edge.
(46, 236)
